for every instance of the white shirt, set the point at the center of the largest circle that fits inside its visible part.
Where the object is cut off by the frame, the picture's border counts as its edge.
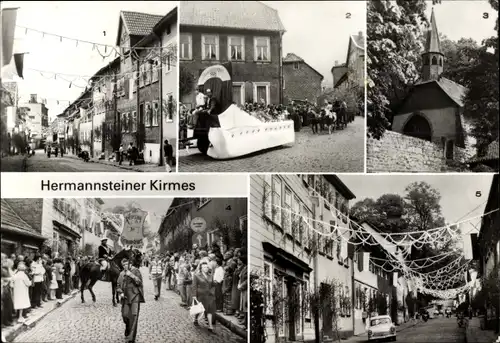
(219, 274)
(200, 99)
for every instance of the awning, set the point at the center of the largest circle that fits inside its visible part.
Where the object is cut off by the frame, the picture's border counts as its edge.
(66, 229)
(288, 259)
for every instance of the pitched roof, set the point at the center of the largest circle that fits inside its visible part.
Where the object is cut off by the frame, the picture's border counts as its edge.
(358, 40)
(454, 90)
(292, 58)
(248, 15)
(139, 24)
(30, 209)
(491, 153)
(12, 221)
(432, 43)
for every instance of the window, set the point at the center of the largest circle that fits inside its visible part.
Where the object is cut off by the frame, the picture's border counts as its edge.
(287, 214)
(186, 51)
(277, 199)
(148, 69)
(426, 61)
(296, 219)
(449, 149)
(296, 65)
(149, 115)
(156, 112)
(236, 48)
(133, 121)
(239, 93)
(268, 287)
(210, 47)
(268, 196)
(261, 92)
(168, 62)
(55, 241)
(156, 66)
(441, 61)
(123, 119)
(434, 60)
(262, 49)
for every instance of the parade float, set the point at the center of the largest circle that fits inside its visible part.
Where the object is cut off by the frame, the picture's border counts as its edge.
(234, 132)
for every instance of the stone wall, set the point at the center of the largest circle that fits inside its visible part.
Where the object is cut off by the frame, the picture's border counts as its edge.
(395, 152)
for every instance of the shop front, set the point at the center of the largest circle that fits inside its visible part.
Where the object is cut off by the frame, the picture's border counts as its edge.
(65, 240)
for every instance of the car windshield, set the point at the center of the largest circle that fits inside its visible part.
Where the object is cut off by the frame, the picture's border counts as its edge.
(380, 321)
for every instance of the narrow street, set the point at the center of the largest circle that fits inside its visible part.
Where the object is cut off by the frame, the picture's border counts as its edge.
(440, 329)
(159, 321)
(41, 163)
(343, 151)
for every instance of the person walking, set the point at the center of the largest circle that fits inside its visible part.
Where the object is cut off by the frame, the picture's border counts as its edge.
(169, 154)
(219, 279)
(131, 294)
(120, 154)
(204, 291)
(155, 274)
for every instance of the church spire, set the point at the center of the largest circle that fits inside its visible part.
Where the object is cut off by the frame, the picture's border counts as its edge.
(432, 57)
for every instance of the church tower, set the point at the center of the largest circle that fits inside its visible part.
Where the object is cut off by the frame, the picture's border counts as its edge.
(432, 57)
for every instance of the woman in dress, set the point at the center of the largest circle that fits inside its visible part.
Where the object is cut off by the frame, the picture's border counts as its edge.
(21, 284)
(204, 292)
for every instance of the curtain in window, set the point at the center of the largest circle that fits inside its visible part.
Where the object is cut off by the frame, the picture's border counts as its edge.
(210, 47)
(261, 94)
(262, 49)
(184, 48)
(236, 48)
(237, 94)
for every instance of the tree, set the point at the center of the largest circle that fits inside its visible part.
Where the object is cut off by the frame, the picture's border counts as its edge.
(186, 81)
(459, 56)
(394, 28)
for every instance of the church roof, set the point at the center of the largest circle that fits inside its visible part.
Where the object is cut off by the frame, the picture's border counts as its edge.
(454, 90)
(432, 43)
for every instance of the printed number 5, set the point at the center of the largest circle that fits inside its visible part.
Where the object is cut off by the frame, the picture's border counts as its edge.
(478, 194)
(348, 15)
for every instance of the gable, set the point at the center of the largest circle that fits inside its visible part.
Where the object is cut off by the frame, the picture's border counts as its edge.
(424, 97)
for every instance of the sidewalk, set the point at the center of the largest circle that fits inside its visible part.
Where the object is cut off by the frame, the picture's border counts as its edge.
(11, 332)
(15, 163)
(474, 334)
(230, 322)
(147, 167)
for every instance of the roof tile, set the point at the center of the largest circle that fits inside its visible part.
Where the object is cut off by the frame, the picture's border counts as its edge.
(140, 24)
(250, 15)
(12, 219)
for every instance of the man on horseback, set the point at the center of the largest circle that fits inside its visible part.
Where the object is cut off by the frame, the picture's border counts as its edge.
(104, 257)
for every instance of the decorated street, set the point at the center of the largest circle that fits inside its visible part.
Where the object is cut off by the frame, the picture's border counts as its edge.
(159, 321)
(341, 151)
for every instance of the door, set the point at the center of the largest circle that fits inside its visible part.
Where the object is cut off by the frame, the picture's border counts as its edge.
(261, 94)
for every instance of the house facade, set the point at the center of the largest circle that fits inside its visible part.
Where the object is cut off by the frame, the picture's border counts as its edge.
(291, 259)
(204, 221)
(300, 80)
(37, 120)
(433, 109)
(352, 72)
(252, 43)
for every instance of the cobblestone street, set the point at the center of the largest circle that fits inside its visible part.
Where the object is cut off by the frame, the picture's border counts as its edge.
(159, 321)
(435, 330)
(343, 151)
(69, 163)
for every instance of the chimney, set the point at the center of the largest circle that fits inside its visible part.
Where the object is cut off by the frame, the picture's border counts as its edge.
(33, 98)
(360, 33)
(336, 63)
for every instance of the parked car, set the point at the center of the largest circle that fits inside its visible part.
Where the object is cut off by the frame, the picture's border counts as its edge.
(381, 327)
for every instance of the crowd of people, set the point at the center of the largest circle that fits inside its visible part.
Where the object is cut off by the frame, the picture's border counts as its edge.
(28, 283)
(217, 280)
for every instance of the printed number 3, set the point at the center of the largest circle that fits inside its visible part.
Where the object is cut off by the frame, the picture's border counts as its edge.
(478, 194)
(348, 15)
(486, 15)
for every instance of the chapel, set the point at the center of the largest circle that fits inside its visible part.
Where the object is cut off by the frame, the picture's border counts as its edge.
(433, 109)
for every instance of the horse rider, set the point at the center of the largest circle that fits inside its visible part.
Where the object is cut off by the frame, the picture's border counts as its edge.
(104, 256)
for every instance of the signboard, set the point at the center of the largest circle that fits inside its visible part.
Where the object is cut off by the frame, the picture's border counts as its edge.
(133, 229)
(216, 71)
(198, 224)
(200, 239)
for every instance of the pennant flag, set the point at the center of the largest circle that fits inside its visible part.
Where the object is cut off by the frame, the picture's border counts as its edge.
(19, 61)
(9, 17)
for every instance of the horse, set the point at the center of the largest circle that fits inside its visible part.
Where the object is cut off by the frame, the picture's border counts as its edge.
(91, 272)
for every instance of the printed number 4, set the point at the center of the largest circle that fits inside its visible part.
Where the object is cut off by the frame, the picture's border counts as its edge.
(478, 194)
(348, 15)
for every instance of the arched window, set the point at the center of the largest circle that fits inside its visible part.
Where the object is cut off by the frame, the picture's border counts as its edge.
(441, 61)
(434, 60)
(426, 60)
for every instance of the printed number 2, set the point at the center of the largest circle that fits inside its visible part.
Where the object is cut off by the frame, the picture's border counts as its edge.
(486, 15)
(478, 194)
(348, 15)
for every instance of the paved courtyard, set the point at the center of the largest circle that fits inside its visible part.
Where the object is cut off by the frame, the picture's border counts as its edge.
(343, 151)
(159, 321)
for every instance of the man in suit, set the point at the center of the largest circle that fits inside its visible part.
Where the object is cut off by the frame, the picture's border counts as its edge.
(104, 256)
(131, 294)
(213, 109)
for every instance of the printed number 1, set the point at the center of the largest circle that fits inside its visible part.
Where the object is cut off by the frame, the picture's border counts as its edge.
(348, 15)
(478, 194)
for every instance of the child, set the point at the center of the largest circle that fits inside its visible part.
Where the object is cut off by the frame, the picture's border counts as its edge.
(21, 284)
(53, 284)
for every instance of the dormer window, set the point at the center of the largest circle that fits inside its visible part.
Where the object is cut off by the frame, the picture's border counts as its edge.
(296, 65)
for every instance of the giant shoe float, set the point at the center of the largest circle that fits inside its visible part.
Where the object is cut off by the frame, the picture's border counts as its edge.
(238, 132)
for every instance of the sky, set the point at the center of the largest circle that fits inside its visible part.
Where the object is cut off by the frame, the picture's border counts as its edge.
(86, 20)
(458, 192)
(464, 19)
(155, 206)
(318, 31)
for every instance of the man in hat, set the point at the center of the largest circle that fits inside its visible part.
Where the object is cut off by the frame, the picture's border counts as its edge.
(131, 293)
(104, 256)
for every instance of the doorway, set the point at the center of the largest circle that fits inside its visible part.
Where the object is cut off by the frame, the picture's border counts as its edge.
(418, 127)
